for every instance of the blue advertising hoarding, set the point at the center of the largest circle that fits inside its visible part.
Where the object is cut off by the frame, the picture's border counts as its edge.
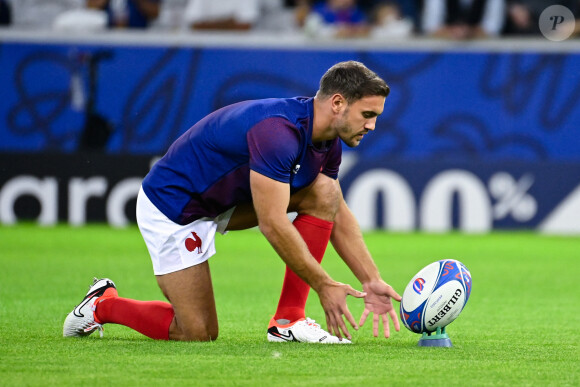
(508, 121)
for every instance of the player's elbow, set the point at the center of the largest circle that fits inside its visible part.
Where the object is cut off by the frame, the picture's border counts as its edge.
(274, 228)
(267, 227)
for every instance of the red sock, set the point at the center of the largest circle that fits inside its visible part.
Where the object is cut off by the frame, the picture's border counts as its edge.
(151, 318)
(316, 234)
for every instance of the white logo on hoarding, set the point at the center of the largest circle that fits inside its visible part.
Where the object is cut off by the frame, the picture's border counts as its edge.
(478, 205)
(512, 197)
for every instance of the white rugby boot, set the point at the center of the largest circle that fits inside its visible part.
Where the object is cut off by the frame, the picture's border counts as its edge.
(304, 330)
(81, 321)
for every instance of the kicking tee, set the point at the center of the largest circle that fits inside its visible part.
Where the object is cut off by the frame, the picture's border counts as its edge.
(206, 171)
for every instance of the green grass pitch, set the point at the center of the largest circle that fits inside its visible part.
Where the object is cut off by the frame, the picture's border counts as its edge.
(520, 326)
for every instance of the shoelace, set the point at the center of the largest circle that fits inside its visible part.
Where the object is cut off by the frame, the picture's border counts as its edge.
(91, 327)
(95, 280)
(315, 326)
(312, 323)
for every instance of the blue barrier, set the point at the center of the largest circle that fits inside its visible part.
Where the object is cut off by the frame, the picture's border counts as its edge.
(480, 111)
(454, 105)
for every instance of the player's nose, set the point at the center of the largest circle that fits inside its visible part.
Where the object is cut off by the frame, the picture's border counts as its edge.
(370, 124)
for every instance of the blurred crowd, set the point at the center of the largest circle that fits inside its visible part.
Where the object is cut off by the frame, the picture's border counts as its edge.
(448, 19)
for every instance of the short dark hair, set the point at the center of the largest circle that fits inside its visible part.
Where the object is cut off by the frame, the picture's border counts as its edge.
(353, 80)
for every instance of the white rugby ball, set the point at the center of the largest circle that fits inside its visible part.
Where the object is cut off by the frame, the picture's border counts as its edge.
(435, 296)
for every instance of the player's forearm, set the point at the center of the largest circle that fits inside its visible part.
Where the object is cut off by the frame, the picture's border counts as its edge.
(348, 242)
(290, 246)
(270, 199)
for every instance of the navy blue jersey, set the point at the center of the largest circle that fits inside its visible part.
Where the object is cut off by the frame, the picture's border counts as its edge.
(206, 171)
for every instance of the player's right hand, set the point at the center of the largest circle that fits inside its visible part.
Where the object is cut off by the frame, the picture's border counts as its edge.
(379, 302)
(333, 300)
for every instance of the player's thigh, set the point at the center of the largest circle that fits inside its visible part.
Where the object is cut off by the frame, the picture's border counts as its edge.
(190, 292)
(320, 199)
(243, 217)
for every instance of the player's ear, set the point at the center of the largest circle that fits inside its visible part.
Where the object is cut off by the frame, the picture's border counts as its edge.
(338, 103)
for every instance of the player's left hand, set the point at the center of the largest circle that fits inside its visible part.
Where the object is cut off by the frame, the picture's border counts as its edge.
(378, 300)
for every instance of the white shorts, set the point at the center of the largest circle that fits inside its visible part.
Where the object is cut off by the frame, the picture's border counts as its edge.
(174, 247)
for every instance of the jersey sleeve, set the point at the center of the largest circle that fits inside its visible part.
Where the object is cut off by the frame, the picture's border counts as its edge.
(274, 146)
(334, 157)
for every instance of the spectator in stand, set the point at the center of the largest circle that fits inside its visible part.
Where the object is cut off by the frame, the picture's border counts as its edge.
(337, 18)
(301, 10)
(5, 13)
(523, 15)
(463, 19)
(274, 16)
(390, 20)
(406, 9)
(128, 13)
(240, 15)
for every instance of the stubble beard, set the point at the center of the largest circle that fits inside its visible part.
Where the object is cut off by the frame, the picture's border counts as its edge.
(346, 135)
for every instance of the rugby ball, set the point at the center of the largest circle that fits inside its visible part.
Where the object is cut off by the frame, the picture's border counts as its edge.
(435, 296)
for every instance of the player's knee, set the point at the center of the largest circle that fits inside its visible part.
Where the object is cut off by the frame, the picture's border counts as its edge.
(200, 334)
(327, 204)
(322, 199)
(194, 330)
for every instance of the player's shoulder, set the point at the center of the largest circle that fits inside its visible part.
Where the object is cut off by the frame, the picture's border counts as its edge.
(294, 111)
(297, 110)
(294, 114)
(296, 106)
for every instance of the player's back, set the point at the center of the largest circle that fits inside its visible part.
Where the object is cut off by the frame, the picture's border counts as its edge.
(215, 152)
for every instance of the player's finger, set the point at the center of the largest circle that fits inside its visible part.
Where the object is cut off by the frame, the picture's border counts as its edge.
(395, 295)
(376, 325)
(339, 325)
(350, 319)
(329, 324)
(344, 329)
(395, 319)
(355, 293)
(334, 326)
(363, 317)
(386, 327)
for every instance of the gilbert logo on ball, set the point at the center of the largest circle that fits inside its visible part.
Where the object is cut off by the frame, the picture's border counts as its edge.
(435, 296)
